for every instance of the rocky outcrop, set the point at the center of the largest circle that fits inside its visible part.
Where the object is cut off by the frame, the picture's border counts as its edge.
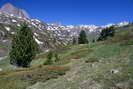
(11, 10)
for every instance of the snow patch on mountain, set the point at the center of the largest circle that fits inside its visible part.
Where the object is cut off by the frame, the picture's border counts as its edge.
(36, 20)
(7, 28)
(18, 25)
(12, 33)
(123, 23)
(38, 42)
(36, 34)
(13, 20)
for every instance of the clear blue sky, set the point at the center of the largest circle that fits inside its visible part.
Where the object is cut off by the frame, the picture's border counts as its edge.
(75, 12)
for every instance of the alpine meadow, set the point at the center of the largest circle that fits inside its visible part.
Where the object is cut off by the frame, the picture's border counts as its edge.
(66, 44)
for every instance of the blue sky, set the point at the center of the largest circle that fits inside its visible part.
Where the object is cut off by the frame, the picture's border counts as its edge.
(76, 12)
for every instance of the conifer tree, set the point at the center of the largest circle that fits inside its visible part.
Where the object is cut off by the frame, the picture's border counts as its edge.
(107, 32)
(82, 37)
(24, 47)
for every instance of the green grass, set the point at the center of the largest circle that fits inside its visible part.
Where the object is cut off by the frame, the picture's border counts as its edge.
(65, 54)
(22, 78)
(5, 63)
(111, 53)
(106, 51)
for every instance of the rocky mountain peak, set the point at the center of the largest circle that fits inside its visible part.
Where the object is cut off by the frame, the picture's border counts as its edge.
(8, 8)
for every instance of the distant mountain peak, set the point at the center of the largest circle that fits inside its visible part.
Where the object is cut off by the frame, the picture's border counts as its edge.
(7, 5)
(8, 8)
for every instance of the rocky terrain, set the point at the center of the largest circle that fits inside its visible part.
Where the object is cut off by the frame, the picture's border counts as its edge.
(98, 65)
(13, 11)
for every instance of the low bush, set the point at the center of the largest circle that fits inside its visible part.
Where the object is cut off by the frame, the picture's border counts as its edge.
(52, 58)
(91, 60)
(49, 58)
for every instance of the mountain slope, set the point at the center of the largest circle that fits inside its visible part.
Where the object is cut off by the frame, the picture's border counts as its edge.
(46, 35)
(10, 21)
(108, 65)
(11, 10)
(102, 65)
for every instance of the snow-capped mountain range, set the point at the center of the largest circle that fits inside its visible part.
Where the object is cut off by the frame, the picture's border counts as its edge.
(46, 35)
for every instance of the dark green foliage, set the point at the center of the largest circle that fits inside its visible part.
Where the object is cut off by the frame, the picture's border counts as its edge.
(50, 55)
(82, 37)
(93, 41)
(57, 58)
(75, 41)
(107, 32)
(24, 47)
(49, 58)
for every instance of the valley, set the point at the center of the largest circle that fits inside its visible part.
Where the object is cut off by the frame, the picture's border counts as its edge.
(97, 64)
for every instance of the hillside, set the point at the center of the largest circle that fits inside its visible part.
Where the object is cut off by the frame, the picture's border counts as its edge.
(100, 65)
(106, 65)
(46, 35)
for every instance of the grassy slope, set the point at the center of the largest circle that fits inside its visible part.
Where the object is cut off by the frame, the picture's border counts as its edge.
(3, 50)
(22, 78)
(87, 66)
(96, 74)
(94, 70)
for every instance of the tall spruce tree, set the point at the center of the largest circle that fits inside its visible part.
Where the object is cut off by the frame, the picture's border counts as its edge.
(82, 37)
(24, 47)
